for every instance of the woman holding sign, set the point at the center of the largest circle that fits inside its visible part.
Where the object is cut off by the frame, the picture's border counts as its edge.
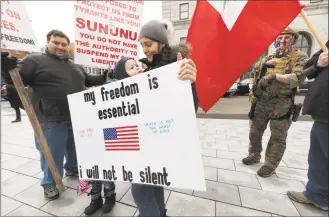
(154, 38)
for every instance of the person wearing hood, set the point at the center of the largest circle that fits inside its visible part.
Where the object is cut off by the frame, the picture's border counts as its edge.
(109, 187)
(51, 76)
(316, 104)
(154, 38)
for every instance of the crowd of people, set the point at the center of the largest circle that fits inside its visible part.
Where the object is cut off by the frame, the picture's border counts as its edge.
(52, 75)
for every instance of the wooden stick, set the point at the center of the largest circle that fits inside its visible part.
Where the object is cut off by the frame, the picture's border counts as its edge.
(312, 29)
(15, 76)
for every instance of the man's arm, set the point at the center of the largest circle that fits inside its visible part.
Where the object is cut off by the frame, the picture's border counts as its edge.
(93, 80)
(296, 78)
(27, 68)
(311, 72)
(317, 65)
(313, 60)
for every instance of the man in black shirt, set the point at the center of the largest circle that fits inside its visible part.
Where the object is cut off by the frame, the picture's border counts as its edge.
(316, 104)
(51, 76)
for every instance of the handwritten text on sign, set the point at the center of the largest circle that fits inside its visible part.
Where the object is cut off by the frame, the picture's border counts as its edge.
(106, 31)
(16, 28)
(141, 130)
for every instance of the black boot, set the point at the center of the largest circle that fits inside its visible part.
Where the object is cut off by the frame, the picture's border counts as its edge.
(251, 159)
(96, 204)
(108, 204)
(18, 116)
(16, 120)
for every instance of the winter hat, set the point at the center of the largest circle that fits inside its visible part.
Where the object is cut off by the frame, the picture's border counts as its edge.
(120, 69)
(160, 31)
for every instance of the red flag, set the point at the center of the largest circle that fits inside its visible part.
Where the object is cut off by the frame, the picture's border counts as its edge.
(227, 37)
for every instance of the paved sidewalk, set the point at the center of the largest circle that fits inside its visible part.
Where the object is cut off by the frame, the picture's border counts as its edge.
(232, 188)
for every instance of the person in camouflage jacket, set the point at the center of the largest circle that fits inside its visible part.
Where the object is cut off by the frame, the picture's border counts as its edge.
(274, 105)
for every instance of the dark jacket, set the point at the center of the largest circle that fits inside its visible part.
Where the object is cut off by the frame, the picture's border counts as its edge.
(316, 100)
(5, 78)
(13, 97)
(51, 79)
(167, 56)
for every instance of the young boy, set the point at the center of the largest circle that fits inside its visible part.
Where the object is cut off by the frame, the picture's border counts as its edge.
(124, 68)
(96, 186)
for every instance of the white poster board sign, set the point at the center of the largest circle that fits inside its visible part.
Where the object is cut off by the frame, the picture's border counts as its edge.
(142, 129)
(106, 31)
(16, 28)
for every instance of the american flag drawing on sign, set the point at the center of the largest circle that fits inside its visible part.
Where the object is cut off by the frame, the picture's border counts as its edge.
(121, 138)
(83, 186)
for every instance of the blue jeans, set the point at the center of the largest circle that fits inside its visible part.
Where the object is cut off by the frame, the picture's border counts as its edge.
(149, 199)
(59, 136)
(317, 186)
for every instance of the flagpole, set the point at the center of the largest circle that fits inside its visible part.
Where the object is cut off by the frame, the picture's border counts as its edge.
(312, 29)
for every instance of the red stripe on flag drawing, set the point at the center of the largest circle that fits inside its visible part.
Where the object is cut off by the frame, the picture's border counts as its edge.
(121, 138)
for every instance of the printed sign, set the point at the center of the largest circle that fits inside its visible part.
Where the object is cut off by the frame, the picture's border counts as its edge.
(106, 31)
(142, 129)
(16, 28)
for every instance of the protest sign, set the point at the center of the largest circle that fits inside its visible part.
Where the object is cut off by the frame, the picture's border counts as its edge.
(106, 31)
(16, 28)
(142, 129)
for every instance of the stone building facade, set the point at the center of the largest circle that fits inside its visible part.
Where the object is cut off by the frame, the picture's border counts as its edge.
(181, 12)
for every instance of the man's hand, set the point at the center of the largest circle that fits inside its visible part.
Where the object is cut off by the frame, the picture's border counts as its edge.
(267, 80)
(188, 69)
(8, 63)
(323, 59)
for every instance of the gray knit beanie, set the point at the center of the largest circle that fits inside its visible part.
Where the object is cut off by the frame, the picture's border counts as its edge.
(156, 31)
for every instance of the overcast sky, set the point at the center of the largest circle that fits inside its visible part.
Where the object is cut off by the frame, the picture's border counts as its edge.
(47, 15)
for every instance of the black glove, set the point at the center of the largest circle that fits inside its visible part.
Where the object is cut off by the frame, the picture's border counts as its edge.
(112, 75)
(8, 63)
(105, 72)
(109, 73)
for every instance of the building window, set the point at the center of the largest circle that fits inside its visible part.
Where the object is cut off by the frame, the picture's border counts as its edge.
(100, 71)
(184, 11)
(182, 40)
(315, 1)
(304, 43)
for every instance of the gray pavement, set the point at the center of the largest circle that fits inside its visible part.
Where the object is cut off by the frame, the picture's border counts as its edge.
(233, 189)
(234, 107)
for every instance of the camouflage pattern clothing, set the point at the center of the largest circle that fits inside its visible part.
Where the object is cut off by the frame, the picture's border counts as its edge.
(274, 105)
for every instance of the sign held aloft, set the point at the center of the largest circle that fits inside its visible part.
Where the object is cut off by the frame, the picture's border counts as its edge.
(106, 31)
(141, 129)
(16, 28)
